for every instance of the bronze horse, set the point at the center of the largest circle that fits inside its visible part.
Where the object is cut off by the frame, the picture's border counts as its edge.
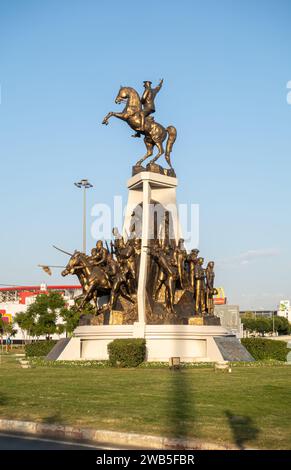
(94, 281)
(154, 133)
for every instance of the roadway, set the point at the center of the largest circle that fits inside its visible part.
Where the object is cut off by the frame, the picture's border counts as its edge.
(12, 442)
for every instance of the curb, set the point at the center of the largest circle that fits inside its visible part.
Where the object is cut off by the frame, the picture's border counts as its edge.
(125, 440)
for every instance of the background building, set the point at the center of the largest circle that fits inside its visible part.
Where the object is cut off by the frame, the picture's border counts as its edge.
(285, 309)
(259, 313)
(16, 299)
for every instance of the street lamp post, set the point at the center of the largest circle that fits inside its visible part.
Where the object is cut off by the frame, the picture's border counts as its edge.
(84, 184)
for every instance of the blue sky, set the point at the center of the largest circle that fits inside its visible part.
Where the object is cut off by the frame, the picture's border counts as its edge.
(226, 65)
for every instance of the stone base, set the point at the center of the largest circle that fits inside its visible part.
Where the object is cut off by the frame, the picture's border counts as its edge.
(191, 343)
(154, 168)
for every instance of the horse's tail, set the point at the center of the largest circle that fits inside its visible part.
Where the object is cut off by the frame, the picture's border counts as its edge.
(172, 132)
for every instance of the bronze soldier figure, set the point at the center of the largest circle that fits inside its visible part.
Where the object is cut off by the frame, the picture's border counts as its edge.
(162, 271)
(167, 275)
(199, 287)
(210, 303)
(148, 99)
(118, 281)
(99, 255)
(192, 260)
(148, 102)
(117, 244)
(126, 258)
(180, 256)
(210, 275)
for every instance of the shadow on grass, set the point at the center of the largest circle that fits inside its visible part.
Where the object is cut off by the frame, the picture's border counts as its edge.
(181, 410)
(3, 399)
(243, 429)
(55, 418)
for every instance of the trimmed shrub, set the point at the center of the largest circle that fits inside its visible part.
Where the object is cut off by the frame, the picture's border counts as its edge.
(262, 348)
(126, 352)
(39, 348)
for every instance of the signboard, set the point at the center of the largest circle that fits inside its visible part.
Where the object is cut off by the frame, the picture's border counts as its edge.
(7, 317)
(220, 298)
(284, 305)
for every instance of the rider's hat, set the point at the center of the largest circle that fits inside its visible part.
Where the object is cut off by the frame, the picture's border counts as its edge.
(147, 82)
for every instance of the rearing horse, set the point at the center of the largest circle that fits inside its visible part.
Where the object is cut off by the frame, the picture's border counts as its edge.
(154, 133)
(95, 282)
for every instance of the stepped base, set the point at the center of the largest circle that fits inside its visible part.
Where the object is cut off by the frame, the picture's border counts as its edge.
(232, 350)
(58, 349)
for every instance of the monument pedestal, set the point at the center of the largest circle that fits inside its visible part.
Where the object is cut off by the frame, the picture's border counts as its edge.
(202, 339)
(191, 343)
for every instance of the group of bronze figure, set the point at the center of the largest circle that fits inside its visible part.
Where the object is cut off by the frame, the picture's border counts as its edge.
(106, 272)
(182, 271)
(114, 272)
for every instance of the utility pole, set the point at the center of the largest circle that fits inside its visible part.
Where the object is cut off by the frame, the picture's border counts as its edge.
(84, 184)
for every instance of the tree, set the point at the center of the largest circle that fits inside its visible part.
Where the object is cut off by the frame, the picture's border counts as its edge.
(6, 329)
(41, 317)
(249, 323)
(264, 325)
(26, 322)
(60, 329)
(71, 316)
(248, 315)
(9, 329)
(282, 325)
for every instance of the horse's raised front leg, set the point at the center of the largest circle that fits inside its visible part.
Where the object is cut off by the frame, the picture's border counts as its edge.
(106, 119)
(122, 116)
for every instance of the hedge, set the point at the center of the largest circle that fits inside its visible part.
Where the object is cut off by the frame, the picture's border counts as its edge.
(126, 352)
(262, 348)
(39, 348)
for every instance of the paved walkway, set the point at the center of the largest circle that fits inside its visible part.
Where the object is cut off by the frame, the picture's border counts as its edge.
(280, 338)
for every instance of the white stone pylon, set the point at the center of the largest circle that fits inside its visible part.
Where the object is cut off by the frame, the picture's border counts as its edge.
(147, 191)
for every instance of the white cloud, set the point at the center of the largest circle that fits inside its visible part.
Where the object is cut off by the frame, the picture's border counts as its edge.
(252, 255)
(248, 257)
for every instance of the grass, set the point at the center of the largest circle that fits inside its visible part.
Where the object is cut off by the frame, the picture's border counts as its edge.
(251, 407)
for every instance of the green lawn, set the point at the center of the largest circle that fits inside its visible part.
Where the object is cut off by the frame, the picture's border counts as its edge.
(250, 407)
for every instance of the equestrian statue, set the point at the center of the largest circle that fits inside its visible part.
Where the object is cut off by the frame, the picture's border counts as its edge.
(138, 115)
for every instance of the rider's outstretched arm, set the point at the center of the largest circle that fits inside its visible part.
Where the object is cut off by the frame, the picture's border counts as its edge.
(159, 86)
